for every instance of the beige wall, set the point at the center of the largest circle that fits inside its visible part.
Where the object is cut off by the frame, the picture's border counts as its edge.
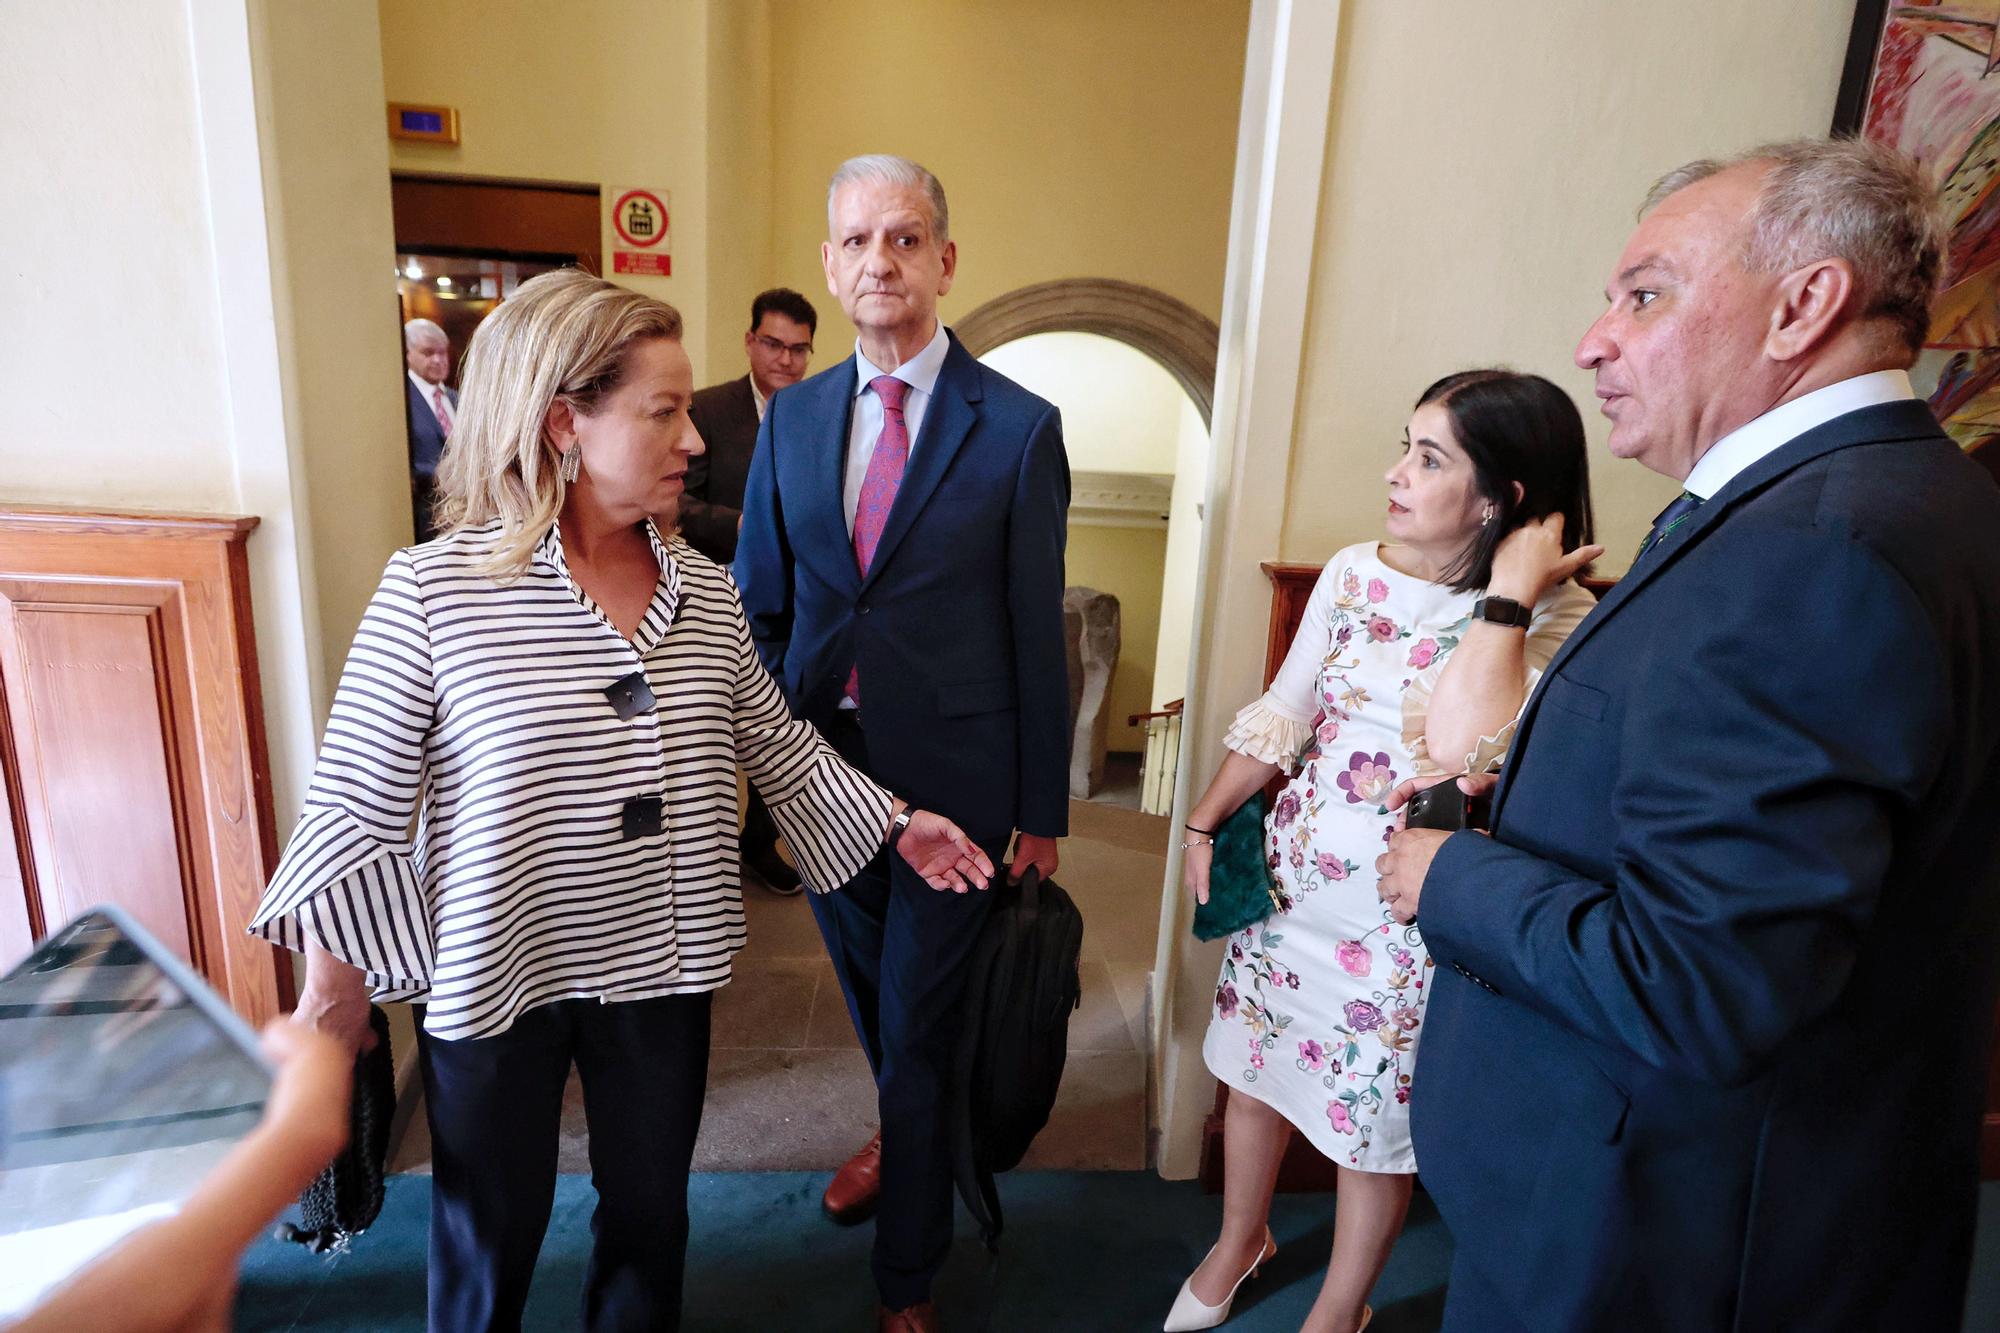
(739, 125)
(1182, 558)
(1074, 140)
(1484, 165)
(333, 250)
(111, 353)
(138, 344)
(1125, 562)
(612, 92)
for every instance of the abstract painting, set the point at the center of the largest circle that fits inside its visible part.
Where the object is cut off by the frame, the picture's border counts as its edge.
(1924, 76)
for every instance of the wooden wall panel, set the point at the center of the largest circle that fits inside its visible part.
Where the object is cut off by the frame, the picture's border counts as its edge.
(94, 736)
(132, 754)
(17, 930)
(481, 215)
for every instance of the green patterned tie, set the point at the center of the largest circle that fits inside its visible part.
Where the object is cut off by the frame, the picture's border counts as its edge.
(1670, 518)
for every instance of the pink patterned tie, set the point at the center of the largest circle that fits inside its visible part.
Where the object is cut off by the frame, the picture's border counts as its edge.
(443, 412)
(878, 488)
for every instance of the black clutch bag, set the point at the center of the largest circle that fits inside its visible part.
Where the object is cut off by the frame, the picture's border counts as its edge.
(1241, 890)
(347, 1197)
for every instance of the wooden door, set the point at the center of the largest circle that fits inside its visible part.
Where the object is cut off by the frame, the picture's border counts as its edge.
(132, 759)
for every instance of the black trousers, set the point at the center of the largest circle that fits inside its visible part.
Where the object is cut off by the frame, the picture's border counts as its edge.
(760, 831)
(495, 1110)
(899, 948)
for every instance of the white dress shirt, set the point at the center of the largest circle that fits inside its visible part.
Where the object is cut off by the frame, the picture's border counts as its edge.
(429, 392)
(920, 372)
(757, 398)
(1784, 423)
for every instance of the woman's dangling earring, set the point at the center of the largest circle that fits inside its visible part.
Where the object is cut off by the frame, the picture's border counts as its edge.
(1487, 519)
(571, 466)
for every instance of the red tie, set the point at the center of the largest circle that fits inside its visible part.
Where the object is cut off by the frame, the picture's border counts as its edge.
(443, 411)
(879, 487)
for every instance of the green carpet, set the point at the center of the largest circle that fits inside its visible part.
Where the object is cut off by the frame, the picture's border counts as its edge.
(1084, 1251)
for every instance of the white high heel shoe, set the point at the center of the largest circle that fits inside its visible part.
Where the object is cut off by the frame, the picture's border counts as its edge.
(1190, 1314)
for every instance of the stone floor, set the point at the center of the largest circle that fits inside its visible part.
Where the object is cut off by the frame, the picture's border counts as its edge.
(1123, 780)
(788, 1086)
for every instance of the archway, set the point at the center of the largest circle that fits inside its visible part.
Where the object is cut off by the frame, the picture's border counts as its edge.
(1169, 330)
(1176, 344)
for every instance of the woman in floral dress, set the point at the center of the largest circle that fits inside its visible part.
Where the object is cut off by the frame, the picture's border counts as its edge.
(1320, 1009)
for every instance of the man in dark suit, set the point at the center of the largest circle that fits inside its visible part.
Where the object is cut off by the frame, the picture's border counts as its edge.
(1706, 1048)
(779, 344)
(429, 408)
(902, 567)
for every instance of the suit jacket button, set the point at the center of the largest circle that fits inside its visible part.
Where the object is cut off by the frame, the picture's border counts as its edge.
(862, 609)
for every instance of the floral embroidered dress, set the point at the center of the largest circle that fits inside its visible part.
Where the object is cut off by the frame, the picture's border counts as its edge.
(1320, 1008)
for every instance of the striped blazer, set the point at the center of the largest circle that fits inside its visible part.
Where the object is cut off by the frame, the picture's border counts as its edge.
(464, 840)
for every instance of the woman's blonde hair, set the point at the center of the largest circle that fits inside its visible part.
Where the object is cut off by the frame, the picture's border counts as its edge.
(562, 335)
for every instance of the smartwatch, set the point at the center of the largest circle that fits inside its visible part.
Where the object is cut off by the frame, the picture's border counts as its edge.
(1503, 611)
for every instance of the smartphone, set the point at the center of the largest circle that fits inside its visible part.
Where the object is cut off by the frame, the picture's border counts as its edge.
(1443, 806)
(124, 1080)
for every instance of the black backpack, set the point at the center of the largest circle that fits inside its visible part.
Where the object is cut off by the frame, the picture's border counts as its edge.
(1022, 984)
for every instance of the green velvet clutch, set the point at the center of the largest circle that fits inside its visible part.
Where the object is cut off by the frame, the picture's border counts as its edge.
(1241, 891)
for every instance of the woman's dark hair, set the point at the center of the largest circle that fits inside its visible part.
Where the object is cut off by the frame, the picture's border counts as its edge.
(1515, 428)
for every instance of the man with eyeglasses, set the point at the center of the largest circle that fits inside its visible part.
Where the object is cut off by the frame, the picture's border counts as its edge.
(779, 344)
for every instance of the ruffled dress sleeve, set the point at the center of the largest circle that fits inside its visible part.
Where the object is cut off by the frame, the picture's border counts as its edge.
(1274, 727)
(350, 879)
(1556, 615)
(831, 814)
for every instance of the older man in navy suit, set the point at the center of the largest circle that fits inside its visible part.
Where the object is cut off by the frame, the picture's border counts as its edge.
(1707, 1049)
(901, 563)
(429, 407)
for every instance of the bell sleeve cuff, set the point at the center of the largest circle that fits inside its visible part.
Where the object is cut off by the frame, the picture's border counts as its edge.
(358, 898)
(832, 817)
(1485, 755)
(1265, 731)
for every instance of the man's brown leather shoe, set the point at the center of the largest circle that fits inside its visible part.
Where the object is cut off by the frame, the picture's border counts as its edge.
(917, 1319)
(855, 1189)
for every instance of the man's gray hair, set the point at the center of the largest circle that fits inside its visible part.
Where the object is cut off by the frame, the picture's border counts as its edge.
(423, 330)
(1850, 199)
(892, 170)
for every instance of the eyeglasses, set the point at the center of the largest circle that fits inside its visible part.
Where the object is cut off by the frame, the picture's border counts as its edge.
(776, 348)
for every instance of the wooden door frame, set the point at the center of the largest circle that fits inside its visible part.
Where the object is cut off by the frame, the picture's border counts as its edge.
(440, 213)
(196, 568)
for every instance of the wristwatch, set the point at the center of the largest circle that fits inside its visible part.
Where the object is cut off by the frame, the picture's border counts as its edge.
(897, 823)
(1503, 611)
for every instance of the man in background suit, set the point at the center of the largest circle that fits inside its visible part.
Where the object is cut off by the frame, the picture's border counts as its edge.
(902, 568)
(779, 344)
(1707, 1046)
(429, 409)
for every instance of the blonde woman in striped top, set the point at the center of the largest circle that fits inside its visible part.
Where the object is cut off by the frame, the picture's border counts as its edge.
(524, 811)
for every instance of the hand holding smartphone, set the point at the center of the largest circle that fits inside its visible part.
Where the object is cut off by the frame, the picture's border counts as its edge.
(124, 1081)
(1446, 807)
